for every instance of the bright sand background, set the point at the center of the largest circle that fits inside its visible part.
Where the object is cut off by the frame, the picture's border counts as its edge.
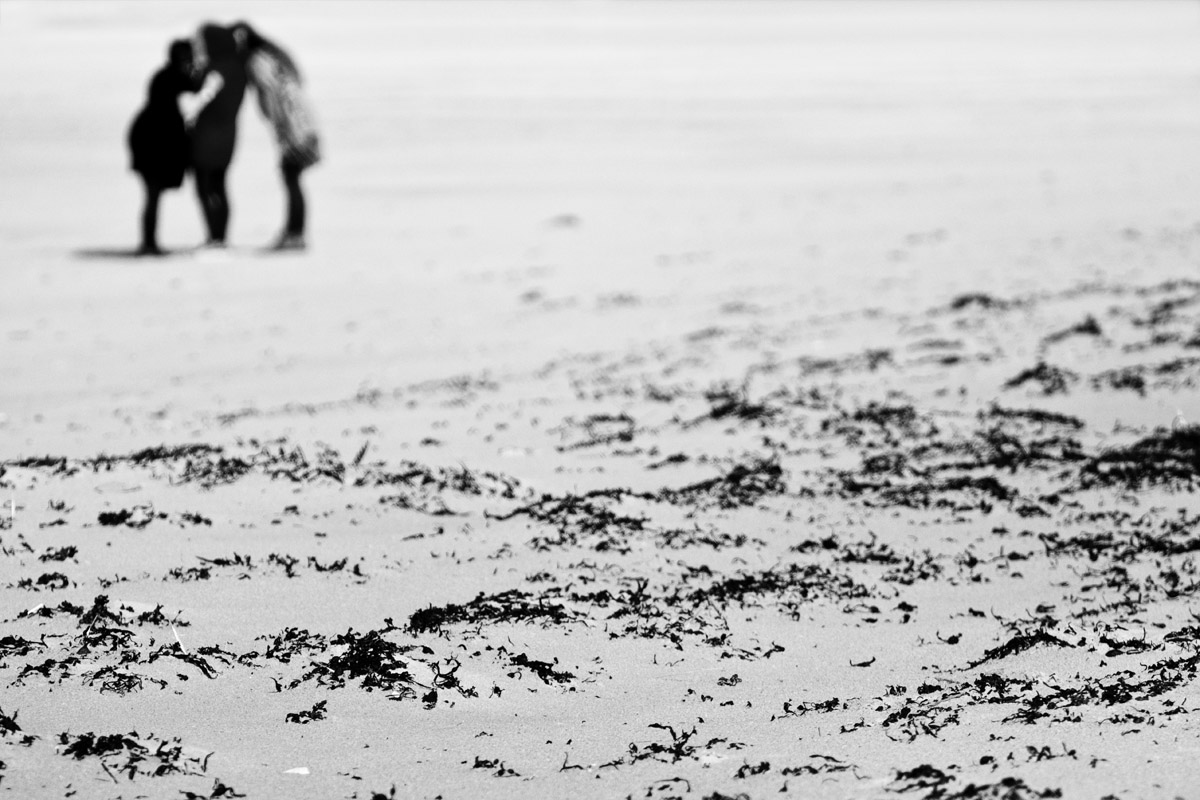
(509, 183)
(764, 147)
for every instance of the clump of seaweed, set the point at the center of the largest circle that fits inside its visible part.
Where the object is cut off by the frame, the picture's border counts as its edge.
(578, 517)
(727, 402)
(922, 715)
(59, 553)
(8, 724)
(214, 469)
(369, 658)
(936, 785)
(821, 765)
(869, 360)
(895, 422)
(197, 658)
(219, 791)
(1131, 378)
(959, 493)
(291, 642)
(794, 709)
(1164, 458)
(137, 517)
(925, 776)
(1050, 379)
(603, 429)
(131, 755)
(441, 479)
(679, 748)
(151, 455)
(680, 539)
(545, 670)
(744, 485)
(788, 587)
(120, 681)
(18, 646)
(1019, 643)
(978, 300)
(513, 605)
(1087, 327)
(1035, 415)
(314, 714)
(501, 770)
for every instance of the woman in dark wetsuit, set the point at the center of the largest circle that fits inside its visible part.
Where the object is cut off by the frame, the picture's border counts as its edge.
(215, 131)
(158, 141)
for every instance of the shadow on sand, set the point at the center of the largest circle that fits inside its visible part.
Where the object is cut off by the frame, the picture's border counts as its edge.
(105, 253)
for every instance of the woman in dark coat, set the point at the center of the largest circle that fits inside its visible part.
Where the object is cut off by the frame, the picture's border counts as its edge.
(158, 141)
(215, 131)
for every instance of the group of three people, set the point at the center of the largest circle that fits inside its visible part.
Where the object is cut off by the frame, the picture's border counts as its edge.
(216, 65)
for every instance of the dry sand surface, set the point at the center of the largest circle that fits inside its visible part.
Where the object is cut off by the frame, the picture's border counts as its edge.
(693, 400)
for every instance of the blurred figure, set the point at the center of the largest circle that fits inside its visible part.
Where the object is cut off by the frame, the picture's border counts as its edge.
(276, 80)
(158, 140)
(214, 130)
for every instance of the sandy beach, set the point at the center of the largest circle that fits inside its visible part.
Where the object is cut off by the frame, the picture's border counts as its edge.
(677, 399)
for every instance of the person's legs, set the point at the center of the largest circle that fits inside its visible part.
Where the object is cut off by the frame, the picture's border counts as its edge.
(210, 188)
(149, 245)
(293, 230)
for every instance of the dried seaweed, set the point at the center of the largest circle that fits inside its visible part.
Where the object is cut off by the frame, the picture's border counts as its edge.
(219, 791)
(132, 755)
(543, 669)
(1036, 415)
(370, 659)
(679, 748)
(603, 429)
(513, 605)
(579, 517)
(1087, 327)
(8, 723)
(1050, 379)
(1164, 458)
(793, 709)
(59, 554)
(978, 300)
(1019, 643)
(314, 714)
(729, 403)
(18, 646)
(743, 485)
(501, 771)
(120, 681)
(789, 587)
(291, 642)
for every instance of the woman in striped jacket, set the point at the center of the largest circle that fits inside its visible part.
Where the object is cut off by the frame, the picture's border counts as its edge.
(277, 83)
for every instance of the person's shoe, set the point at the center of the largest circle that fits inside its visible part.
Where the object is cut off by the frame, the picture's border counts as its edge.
(150, 250)
(287, 242)
(213, 251)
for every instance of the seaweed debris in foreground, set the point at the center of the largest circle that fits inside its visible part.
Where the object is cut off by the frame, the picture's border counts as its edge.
(790, 587)
(513, 605)
(743, 485)
(576, 517)
(1165, 458)
(1019, 643)
(132, 755)
(370, 657)
(729, 403)
(1051, 379)
(936, 784)
(314, 714)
